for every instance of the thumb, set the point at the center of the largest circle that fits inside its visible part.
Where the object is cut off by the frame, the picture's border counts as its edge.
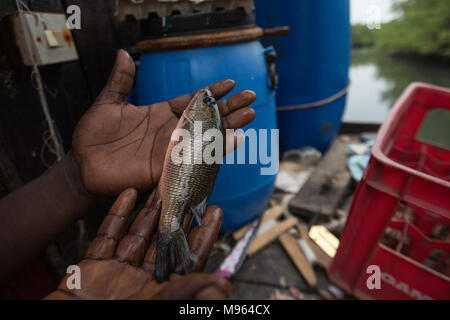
(120, 81)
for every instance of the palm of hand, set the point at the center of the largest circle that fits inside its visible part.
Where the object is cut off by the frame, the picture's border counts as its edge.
(120, 264)
(118, 145)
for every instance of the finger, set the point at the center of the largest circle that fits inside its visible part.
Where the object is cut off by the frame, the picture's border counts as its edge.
(148, 264)
(237, 101)
(239, 118)
(232, 141)
(201, 238)
(187, 222)
(113, 226)
(221, 88)
(218, 89)
(149, 260)
(196, 286)
(120, 81)
(133, 246)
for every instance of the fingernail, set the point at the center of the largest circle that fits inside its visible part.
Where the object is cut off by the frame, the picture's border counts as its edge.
(251, 111)
(124, 51)
(248, 111)
(250, 93)
(229, 82)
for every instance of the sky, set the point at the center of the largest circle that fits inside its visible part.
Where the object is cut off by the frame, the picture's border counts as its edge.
(360, 10)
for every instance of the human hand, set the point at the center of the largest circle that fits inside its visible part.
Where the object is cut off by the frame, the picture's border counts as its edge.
(117, 145)
(120, 265)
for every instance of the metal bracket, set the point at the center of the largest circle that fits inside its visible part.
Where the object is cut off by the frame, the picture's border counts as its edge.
(271, 58)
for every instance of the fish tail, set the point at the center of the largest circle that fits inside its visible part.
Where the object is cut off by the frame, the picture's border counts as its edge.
(172, 255)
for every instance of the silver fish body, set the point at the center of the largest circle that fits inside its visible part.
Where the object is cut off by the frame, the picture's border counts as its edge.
(185, 186)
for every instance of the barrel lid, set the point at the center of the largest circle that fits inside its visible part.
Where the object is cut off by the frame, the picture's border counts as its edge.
(202, 40)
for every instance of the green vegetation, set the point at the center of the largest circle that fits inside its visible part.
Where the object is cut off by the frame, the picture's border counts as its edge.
(362, 36)
(423, 28)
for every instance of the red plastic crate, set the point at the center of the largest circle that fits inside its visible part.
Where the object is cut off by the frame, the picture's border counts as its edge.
(399, 219)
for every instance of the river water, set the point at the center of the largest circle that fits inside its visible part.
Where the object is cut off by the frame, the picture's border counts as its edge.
(377, 80)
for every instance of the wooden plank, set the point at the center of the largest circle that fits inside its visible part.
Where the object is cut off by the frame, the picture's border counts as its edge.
(327, 186)
(20, 116)
(272, 213)
(322, 259)
(273, 267)
(127, 33)
(269, 236)
(294, 250)
(67, 80)
(9, 178)
(96, 42)
(358, 127)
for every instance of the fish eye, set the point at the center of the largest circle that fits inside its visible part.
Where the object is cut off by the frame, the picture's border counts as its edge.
(209, 100)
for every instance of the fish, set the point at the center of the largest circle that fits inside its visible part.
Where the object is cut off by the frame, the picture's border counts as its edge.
(185, 186)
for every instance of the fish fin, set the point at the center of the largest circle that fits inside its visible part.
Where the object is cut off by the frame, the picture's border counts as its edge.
(199, 210)
(172, 255)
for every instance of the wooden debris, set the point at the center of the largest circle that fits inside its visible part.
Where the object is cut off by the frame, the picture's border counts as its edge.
(322, 259)
(326, 295)
(324, 239)
(294, 250)
(327, 186)
(270, 235)
(272, 213)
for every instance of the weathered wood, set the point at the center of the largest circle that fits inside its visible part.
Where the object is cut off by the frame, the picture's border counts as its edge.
(203, 40)
(271, 266)
(70, 87)
(326, 187)
(269, 214)
(68, 81)
(127, 33)
(322, 259)
(294, 250)
(9, 178)
(96, 42)
(358, 127)
(270, 235)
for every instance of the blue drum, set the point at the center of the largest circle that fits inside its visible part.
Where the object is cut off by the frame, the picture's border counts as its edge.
(240, 189)
(312, 64)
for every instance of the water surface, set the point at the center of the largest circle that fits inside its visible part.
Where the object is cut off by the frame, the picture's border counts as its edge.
(377, 80)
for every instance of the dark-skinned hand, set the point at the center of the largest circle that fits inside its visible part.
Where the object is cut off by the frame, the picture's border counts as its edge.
(117, 145)
(119, 264)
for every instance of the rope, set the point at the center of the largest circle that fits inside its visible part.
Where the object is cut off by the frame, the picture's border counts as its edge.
(319, 103)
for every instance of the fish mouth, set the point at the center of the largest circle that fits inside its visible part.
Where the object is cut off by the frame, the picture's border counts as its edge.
(208, 97)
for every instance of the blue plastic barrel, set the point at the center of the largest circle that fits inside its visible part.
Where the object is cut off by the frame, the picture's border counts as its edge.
(240, 189)
(312, 64)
